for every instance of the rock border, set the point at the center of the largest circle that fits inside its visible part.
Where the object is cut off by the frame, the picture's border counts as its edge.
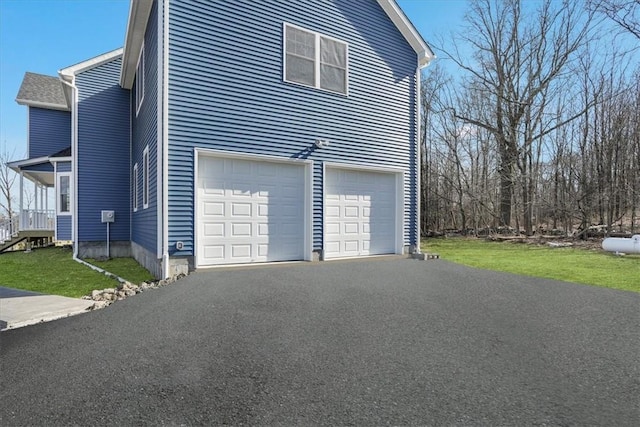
(105, 297)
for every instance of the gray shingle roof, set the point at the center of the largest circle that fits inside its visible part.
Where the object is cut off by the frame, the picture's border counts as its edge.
(43, 91)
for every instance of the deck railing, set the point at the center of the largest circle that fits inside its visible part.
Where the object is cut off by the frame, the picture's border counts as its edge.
(8, 228)
(31, 219)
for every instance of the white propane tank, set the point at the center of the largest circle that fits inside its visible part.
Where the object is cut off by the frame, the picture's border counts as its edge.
(619, 244)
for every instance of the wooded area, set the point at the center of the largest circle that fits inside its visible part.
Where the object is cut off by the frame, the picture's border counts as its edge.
(537, 130)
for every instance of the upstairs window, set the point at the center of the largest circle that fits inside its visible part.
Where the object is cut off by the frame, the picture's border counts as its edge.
(312, 59)
(140, 81)
(145, 178)
(64, 194)
(135, 188)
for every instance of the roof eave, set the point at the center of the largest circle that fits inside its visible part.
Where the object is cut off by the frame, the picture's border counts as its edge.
(38, 104)
(409, 31)
(136, 27)
(17, 164)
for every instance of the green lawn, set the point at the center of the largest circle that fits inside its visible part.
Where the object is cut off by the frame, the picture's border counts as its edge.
(127, 268)
(591, 267)
(53, 271)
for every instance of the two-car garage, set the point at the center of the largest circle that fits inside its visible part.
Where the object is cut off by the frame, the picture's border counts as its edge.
(260, 209)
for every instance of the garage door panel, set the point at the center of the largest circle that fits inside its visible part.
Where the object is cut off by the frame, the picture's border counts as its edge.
(213, 208)
(213, 229)
(363, 205)
(214, 251)
(258, 209)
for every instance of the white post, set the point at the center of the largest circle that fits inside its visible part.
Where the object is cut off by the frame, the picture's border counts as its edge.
(21, 191)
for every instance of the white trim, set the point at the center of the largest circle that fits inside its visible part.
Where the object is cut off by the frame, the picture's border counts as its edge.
(74, 159)
(60, 159)
(364, 166)
(316, 61)
(140, 80)
(159, 136)
(55, 217)
(46, 105)
(165, 141)
(145, 177)
(417, 112)
(69, 72)
(134, 188)
(408, 31)
(59, 176)
(400, 175)
(28, 162)
(139, 13)
(308, 189)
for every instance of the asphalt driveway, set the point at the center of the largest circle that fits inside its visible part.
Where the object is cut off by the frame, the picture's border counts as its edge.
(392, 341)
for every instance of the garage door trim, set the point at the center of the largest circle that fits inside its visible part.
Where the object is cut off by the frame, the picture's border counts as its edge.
(400, 199)
(308, 193)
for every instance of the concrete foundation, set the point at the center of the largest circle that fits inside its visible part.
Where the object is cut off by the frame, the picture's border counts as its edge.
(117, 249)
(147, 259)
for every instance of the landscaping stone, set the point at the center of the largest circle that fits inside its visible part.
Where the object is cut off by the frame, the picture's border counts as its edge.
(105, 297)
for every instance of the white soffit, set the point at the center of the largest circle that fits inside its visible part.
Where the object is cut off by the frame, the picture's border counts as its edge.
(410, 33)
(137, 25)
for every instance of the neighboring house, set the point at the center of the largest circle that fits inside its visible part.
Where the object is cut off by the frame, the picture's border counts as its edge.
(236, 132)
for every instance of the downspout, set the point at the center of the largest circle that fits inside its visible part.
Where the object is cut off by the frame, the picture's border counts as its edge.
(165, 142)
(418, 109)
(74, 161)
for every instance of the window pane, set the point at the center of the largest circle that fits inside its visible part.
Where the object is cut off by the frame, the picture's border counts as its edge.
(64, 184)
(333, 53)
(332, 78)
(64, 193)
(64, 203)
(301, 43)
(300, 70)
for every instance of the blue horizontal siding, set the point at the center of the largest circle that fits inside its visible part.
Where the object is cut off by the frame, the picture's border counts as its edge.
(103, 153)
(63, 227)
(49, 131)
(63, 167)
(144, 133)
(226, 92)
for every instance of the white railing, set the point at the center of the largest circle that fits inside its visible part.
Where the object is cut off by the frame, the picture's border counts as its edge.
(31, 219)
(8, 228)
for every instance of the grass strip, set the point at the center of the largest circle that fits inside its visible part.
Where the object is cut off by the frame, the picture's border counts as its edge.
(53, 271)
(590, 267)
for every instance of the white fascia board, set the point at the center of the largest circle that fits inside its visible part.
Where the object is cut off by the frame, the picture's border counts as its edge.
(68, 73)
(136, 27)
(410, 33)
(46, 105)
(55, 160)
(27, 162)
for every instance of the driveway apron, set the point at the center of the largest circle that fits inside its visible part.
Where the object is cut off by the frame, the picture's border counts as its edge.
(370, 342)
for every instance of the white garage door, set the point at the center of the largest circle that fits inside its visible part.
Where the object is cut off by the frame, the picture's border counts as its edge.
(360, 213)
(249, 211)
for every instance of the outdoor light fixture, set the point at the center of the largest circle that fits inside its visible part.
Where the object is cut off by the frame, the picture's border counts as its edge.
(321, 143)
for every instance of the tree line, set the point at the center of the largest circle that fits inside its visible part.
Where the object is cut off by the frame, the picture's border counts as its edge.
(536, 127)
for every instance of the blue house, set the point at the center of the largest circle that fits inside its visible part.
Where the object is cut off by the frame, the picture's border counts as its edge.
(235, 132)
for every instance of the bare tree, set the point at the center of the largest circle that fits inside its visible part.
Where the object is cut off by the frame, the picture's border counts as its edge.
(7, 180)
(519, 60)
(625, 13)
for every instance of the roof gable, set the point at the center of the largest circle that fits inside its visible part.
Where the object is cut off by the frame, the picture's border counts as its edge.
(139, 17)
(69, 72)
(38, 90)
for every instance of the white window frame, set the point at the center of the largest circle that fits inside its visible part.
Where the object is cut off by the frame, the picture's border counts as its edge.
(317, 62)
(135, 188)
(59, 212)
(140, 81)
(145, 178)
